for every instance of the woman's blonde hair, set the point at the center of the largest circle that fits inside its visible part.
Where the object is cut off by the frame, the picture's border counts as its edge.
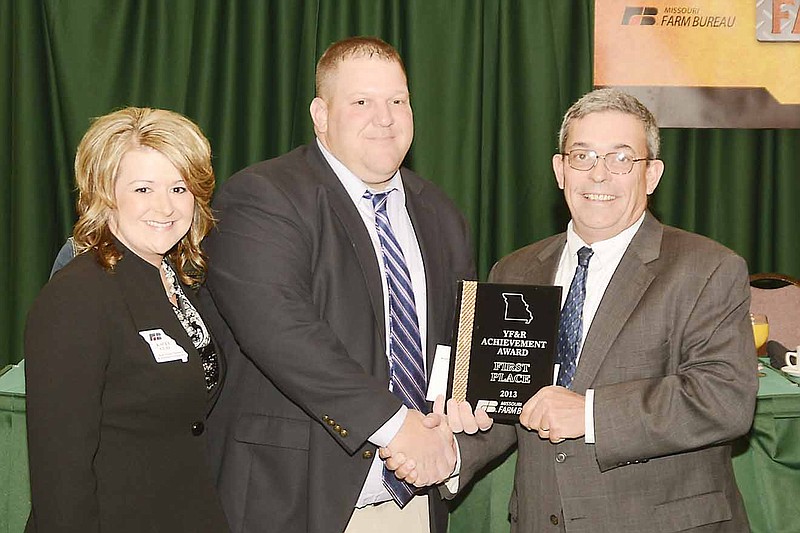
(96, 164)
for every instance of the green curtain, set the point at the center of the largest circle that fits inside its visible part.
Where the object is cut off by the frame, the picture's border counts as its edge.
(489, 80)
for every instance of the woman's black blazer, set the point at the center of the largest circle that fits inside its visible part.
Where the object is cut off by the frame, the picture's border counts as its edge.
(116, 440)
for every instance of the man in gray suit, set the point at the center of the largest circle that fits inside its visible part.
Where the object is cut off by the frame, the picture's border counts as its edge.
(306, 265)
(657, 361)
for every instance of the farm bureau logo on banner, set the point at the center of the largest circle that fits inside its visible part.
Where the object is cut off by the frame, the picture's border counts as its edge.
(643, 16)
(677, 16)
(703, 63)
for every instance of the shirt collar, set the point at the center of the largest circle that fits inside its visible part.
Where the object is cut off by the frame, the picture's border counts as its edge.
(607, 251)
(352, 184)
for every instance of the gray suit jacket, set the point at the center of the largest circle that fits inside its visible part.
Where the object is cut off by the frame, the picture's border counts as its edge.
(671, 358)
(296, 281)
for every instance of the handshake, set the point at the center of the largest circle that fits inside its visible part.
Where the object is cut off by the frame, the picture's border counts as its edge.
(424, 451)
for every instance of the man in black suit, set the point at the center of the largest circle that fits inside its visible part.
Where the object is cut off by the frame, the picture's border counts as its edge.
(304, 293)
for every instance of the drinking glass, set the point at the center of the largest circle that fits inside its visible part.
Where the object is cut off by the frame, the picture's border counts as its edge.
(760, 329)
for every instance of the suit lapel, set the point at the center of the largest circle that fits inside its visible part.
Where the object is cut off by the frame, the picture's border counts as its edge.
(144, 294)
(626, 288)
(346, 212)
(543, 272)
(423, 218)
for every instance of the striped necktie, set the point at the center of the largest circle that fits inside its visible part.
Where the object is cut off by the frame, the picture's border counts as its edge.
(570, 326)
(406, 364)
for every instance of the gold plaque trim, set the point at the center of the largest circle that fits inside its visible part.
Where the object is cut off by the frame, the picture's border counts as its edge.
(466, 318)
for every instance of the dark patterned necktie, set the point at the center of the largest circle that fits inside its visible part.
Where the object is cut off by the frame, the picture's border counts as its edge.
(570, 327)
(406, 365)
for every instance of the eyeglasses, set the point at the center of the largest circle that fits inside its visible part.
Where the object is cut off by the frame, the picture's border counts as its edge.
(615, 162)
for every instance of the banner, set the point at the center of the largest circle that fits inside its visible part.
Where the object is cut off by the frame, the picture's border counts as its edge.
(704, 64)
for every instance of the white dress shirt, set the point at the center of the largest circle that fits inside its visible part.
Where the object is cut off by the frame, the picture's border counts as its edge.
(602, 265)
(373, 490)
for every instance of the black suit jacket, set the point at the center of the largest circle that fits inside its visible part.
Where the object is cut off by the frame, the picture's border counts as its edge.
(296, 280)
(114, 438)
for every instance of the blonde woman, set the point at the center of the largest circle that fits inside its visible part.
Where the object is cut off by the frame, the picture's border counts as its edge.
(120, 367)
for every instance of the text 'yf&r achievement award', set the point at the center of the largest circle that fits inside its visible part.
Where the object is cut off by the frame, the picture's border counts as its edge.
(504, 344)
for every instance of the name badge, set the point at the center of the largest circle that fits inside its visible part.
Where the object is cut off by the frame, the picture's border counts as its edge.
(164, 347)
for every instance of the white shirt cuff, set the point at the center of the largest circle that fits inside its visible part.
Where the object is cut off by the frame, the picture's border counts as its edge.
(589, 417)
(452, 483)
(384, 434)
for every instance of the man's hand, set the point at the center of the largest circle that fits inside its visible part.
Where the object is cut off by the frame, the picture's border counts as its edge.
(425, 448)
(555, 413)
(460, 418)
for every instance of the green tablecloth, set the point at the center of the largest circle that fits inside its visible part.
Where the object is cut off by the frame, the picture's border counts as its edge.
(766, 463)
(15, 501)
(767, 460)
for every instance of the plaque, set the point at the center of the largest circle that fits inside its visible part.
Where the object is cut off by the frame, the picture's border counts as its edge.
(504, 343)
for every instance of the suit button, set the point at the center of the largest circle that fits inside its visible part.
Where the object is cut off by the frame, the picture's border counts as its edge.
(197, 429)
(554, 519)
(331, 422)
(337, 428)
(343, 433)
(324, 418)
(561, 457)
(367, 454)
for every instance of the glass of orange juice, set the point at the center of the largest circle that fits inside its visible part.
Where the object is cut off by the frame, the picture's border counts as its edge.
(760, 329)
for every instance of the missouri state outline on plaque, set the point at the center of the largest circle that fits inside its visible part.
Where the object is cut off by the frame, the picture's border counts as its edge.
(517, 309)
